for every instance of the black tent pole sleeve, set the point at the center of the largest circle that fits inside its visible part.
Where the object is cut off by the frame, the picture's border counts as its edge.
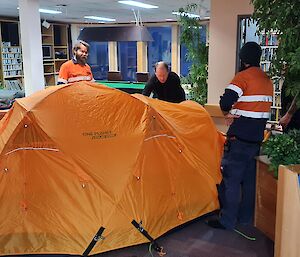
(96, 238)
(146, 234)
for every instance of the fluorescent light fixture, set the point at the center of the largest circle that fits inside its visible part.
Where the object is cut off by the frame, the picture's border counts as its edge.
(46, 11)
(191, 15)
(138, 4)
(49, 11)
(99, 18)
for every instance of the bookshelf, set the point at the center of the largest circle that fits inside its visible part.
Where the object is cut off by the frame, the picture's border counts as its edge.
(55, 52)
(269, 45)
(11, 69)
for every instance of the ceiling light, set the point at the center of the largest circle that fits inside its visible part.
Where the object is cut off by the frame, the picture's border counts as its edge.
(99, 18)
(190, 15)
(138, 4)
(46, 11)
(49, 11)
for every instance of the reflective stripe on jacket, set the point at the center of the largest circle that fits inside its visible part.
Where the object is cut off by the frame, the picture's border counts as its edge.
(255, 91)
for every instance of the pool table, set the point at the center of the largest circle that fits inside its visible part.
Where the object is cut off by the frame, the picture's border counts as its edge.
(129, 87)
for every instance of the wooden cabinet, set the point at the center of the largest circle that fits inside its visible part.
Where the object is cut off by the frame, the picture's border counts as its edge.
(266, 196)
(288, 212)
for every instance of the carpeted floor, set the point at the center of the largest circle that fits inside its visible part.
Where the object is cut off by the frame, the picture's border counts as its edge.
(198, 240)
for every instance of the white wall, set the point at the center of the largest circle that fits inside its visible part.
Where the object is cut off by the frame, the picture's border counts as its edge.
(222, 44)
(31, 42)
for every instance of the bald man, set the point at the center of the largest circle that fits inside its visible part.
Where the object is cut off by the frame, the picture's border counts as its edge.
(165, 85)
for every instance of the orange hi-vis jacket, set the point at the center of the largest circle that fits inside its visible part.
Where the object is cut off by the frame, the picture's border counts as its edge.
(255, 91)
(71, 71)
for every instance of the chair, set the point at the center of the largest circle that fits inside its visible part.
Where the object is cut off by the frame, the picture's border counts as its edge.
(142, 76)
(114, 76)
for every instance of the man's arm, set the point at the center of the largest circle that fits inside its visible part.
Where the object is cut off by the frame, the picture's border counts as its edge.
(181, 90)
(63, 74)
(92, 77)
(226, 103)
(148, 88)
(285, 120)
(227, 100)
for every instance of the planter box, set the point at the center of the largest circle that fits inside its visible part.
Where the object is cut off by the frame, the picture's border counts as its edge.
(288, 212)
(266, 196)
(217, 116)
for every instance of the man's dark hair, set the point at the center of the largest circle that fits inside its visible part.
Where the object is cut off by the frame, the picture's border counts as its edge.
(163, 63)
(78, 45)
(250, 53)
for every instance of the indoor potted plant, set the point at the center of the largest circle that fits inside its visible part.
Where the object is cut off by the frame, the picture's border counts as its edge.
(284, 18)
(197, 52)
(279, 149)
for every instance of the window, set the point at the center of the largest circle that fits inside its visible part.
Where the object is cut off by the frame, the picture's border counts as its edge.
(98, 59)
(160, 48)
(184, 63)
(127, 59)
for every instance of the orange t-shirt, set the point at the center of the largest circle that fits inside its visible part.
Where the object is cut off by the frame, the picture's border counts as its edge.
(71, 71)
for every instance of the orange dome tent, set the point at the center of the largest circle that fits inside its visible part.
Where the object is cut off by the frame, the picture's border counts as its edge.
(81, 157)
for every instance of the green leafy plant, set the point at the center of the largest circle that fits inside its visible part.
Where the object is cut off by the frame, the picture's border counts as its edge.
(197, 52)
(283, 149)
(284, 18)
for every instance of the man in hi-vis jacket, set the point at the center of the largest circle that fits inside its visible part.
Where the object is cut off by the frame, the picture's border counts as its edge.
(77, 69)
(246, 106)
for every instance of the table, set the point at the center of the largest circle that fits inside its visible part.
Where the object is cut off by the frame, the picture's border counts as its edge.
(129, 87)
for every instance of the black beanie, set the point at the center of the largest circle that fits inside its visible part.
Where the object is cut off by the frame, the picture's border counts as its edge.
(250, 53)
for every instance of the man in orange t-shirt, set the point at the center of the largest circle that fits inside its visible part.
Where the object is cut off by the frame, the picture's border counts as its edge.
(77, 68)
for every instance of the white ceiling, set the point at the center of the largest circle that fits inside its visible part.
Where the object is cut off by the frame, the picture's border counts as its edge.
(75, 10)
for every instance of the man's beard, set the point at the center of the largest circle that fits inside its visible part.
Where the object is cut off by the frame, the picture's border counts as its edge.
(81, 60)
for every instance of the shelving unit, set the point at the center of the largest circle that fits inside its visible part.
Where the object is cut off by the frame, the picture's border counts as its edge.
(55, 51)
(269, 45)
(11, 68)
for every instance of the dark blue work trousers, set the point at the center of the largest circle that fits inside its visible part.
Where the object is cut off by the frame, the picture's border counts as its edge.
(237, 189)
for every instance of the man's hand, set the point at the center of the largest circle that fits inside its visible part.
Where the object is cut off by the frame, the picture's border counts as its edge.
(285, 120)
(229, 118)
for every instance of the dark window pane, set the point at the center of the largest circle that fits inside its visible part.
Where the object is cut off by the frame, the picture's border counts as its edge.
(98, 59)
(127, 59)
(160, 48)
